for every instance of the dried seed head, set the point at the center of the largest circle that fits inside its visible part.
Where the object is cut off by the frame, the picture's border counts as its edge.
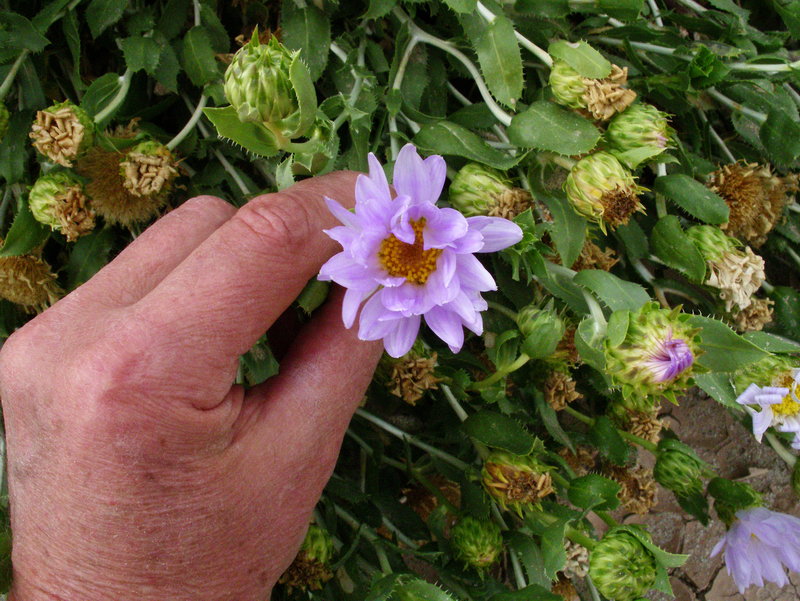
(148, 170)
(110, 199)
(594, 257)
(645, 424)
(756, 199)
(311, 567)
(754, 317)
(606, 97)
(57, 200)
(577, 565)
(62, 132)
(564, 587)
(424, 502)
(559, 390)
(583, 461)
(516, 481)
(638, 487)
(412, 375)
(28, 281)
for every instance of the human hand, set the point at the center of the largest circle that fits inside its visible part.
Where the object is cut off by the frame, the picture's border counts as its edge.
(136, 468)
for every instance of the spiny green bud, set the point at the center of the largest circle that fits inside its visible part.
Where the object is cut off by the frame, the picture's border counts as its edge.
(478, 542)
(601, 189)
(640, 126)
(476, 187)
(543, 329)
(678, 472)
(311, 568)
(58, 200)
(62, 132)
(621, 567)
(567, 85)
(5, 117)
(258, 84)
(730, 497)
(516, 481)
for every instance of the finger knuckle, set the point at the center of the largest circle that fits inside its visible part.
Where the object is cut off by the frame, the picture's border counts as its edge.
(279, 221)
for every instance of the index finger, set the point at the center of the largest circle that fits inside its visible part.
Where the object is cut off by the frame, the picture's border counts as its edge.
(233, 286)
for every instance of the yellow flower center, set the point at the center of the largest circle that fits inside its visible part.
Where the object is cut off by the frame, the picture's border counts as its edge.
(788, 406)
(409, 261)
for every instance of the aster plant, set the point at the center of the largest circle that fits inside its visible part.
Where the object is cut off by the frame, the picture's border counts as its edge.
(569, 215)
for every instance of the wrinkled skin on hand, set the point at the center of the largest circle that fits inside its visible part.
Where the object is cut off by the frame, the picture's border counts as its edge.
(137, 470)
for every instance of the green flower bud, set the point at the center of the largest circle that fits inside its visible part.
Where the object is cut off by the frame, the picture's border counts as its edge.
(621, 567)
(543, 329)
(730, 497)
(478, 542)
(640, 126)
(656, 355)
(311, 568)
(258, 84)
(476, 188)
(567, 85)
(773, 370)
(678, 472)
(58, 200)
(62, 132)
(516, 481)
(148, 170)
(5, 117)
(601, 189)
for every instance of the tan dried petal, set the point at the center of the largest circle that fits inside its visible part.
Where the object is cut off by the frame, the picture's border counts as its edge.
(412, 376)
(510, 203)
(754, 317)
(147, 175)
(606, 97)
(593, 257)
(28, 281)
(57, 135)
(73, 212)
(638, 487)
(559, 390)
(737, 277)
(577, 565)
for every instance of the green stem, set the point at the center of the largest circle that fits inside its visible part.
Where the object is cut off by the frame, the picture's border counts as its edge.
(504, 310)
(661, 202)
(767, 287)
(559, 479)
(524, 42)
(576, 536)
(606, 518)
(592, 589)
(565, 162)
(781, 450)
(372, 538)
(795, 257)
(501, 373)
(6, 85)
(716, 137)
(358, 85)
(125, 83)
(198, 112)
(411, 440)
(760, 117)
(481, 448)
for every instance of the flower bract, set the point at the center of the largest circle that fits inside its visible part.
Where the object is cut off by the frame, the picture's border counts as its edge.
(407, 258)
(758, 544)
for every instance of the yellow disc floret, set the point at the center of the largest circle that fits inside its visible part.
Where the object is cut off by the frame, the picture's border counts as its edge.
(409, 261)
(789, 404)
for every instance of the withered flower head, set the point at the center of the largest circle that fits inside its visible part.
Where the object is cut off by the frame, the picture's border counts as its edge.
(638, 487)
(559, 390)
(311, 567)
(577, 565)
(58, 200)
(594, 257)
(149, 169)
(410, 376)
(110, 198)
(606, 97)
(516, 481)
(755, 196)
(564, 587)
(62, 132)
(28, 281)
(754, 317)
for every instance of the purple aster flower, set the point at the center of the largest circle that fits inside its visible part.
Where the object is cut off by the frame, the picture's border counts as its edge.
(758, 545)
(669, 358)
(407, 258)
(779, 407)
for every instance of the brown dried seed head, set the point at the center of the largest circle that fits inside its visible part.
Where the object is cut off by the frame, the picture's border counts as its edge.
(510, 203)
(74, 214)
(412, 375)
(61, 132)
(754, 317)
(638, 487)
(28, 281)
(559, 390)
(606, 97)
(619, 204)
(593, 257)
(646, 425)
(305, 572)
(577, 565)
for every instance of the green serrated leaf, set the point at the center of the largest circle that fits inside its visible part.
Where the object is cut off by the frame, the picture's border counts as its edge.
(462, 6)
(790, 13)
(587, 61)
(670, 244)
(168, 68)
(69, 24)
(548, 126)
(100, 14)
(606, 438)
(787, 310)
(25, 234)
(618, 325)
(530, 557)
(303, 87)
(173, 17)
(499, 431)
(308, 30)
(725, 350)
(772, 343)
(550, 419)
(220, 40)
(532, 592)
(718, 385)
(568, 230)
(141, 53)
(253, 137)
(12, 149)
(197, 56)
(450, 139)
(780, 134)
(313, 295)
(693, 197)
(89, 255)
(18, 33)
(553, 553)
(593, 491)
(617, 294)
(380, 8)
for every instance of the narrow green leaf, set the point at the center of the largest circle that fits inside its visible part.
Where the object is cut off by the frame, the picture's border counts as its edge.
(780, 135)
(634, 239)
(532, 592)
(309, 31)
(69, 24)
(197, 57)
(25, 234)
(253, 137)
(587, 61)
(17, 33)
(141, 53)
(499, 431)
(12, 149)
(450, 139)
(550, 419)
(548, 126)
(313, 295)
(787, 310)
(589, 345)
(568, 229)
(616, 293)
(626, 10)
(725, 350)
(693, 197)
(100, 14)
(790, 13)
(555, 557)
(731, 7)
(100, 94)
(675, 249)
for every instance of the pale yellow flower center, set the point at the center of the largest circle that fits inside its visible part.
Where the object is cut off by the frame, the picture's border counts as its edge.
(409, 261)
(788, 406)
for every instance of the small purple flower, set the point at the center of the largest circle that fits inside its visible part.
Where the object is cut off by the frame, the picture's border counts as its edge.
(669, 358)
(779, 407)
(758, 545)
(407, 258)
